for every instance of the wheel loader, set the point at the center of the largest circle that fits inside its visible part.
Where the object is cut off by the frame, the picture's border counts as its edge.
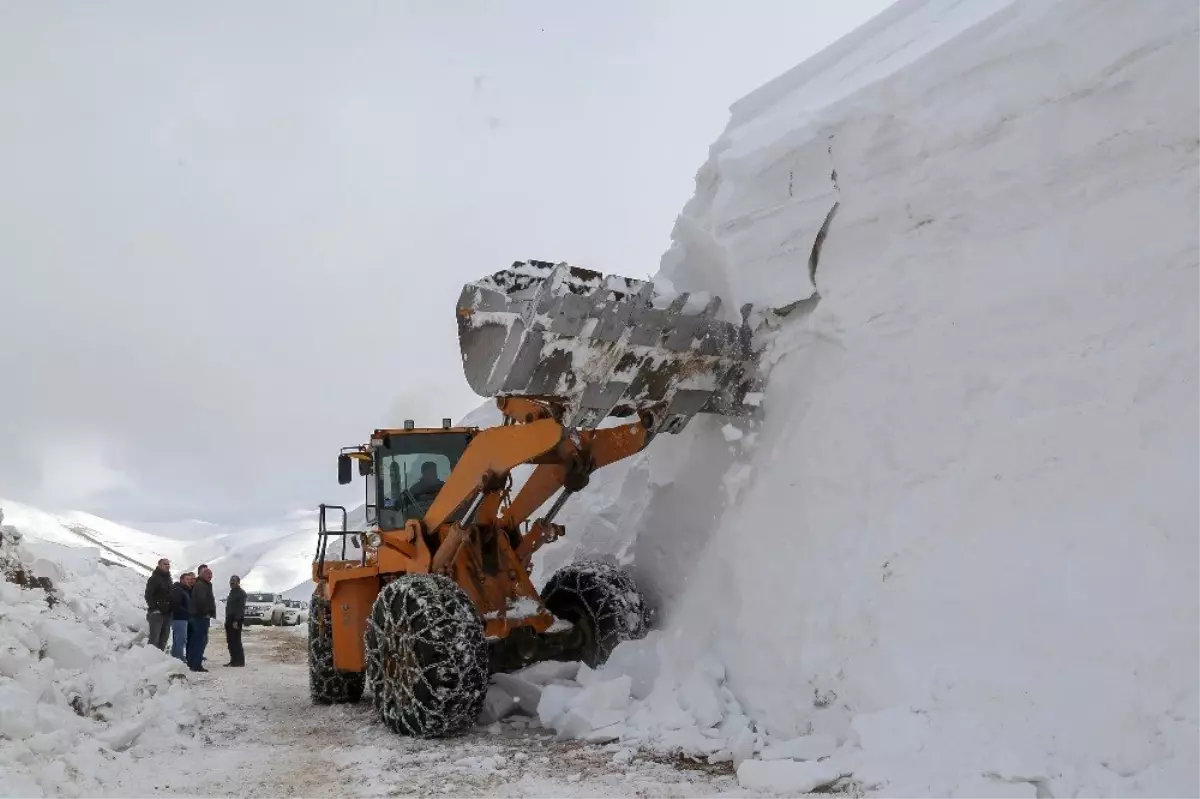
(434, 594)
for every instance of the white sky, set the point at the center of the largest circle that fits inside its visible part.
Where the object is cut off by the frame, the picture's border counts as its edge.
(232, 234)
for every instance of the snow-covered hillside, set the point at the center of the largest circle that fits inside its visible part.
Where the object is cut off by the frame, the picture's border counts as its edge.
(275, 557)
(272, 557)
(120, 543)
(81, 696)
(963, 542)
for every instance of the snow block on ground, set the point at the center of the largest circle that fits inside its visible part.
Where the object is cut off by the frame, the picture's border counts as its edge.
(806, 747)
(497, 704)
(527, 695)
(786, 777)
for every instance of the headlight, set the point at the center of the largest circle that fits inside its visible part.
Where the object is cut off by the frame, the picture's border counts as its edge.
(373, 539)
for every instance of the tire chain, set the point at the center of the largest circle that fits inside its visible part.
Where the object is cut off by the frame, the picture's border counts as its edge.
(327, 685)
(425, 631)
(607, 595)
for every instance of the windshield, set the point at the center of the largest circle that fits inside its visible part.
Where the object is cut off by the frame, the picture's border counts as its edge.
(411, 471)
(260, 597)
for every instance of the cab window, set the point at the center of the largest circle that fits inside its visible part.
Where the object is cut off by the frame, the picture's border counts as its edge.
(411, 470)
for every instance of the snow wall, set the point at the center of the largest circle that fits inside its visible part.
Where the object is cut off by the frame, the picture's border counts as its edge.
(964, 535)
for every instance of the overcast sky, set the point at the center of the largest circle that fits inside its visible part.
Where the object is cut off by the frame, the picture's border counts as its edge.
(232, 234)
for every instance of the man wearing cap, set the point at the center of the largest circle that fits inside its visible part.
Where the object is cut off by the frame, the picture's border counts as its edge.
(235, 614)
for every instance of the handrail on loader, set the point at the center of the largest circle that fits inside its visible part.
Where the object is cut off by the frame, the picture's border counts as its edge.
(323, 536)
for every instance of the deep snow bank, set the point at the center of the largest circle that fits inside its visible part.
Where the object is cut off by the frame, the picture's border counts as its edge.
(963, 543)
(81, 695)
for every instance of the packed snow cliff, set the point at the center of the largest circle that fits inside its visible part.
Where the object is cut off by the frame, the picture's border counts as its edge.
(959, 555)
(81, 695)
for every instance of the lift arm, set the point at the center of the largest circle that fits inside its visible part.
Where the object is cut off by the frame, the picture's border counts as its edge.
(596, 449)
(531, 434)
(492, 452)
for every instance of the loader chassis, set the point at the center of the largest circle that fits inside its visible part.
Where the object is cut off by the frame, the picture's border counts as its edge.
(473, 530)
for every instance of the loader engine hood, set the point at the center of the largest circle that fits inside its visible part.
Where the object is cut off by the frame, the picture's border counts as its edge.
(604, 345)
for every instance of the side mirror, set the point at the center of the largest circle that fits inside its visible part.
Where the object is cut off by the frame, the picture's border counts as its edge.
(364, 467)
(344, 475)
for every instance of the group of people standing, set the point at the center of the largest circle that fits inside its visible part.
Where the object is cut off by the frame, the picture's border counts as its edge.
(184, 610)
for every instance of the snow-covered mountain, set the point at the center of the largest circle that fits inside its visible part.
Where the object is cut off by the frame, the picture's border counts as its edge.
(275, 557)
(137, 549)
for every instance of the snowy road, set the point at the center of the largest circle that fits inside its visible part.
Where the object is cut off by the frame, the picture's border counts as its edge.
(262, 737)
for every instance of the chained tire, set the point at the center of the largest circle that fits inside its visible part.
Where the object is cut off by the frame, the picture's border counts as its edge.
(427, 658)
(326, 684)
(602, 601)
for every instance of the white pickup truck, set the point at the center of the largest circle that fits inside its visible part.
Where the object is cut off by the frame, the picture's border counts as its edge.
(264, 609)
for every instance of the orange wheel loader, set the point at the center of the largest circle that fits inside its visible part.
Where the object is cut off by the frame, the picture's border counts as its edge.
(434, 594)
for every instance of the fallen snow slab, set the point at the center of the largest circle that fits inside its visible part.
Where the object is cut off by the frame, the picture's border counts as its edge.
(554, 701)
(991, 788)
(548, 671)
(598, 706)
(526, 694)
(787, 777)
(806, 747)
(497, 704)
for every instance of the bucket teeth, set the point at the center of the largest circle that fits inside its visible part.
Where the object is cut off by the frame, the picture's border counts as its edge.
(604, 345)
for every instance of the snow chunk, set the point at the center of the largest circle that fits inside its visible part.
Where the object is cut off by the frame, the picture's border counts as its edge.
(554, 701)
(527, 695)
(497, 704)
(786, 777)
(547, 671)
(806, 747)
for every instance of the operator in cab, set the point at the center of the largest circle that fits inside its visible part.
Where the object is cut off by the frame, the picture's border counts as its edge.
(429, 484)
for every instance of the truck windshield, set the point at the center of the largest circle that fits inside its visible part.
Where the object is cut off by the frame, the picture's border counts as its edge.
(411, 471)
(260, 597)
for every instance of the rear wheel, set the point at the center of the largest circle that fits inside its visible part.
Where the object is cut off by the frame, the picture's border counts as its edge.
(602, 601)
(326, 684)
(427, 658)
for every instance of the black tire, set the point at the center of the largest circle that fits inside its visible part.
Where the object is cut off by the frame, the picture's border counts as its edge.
(326, 684)
(603, 601)
(427, 658)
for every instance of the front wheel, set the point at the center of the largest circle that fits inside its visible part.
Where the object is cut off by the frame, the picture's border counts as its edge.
(427, 658)
(602, 601)
(326, 684)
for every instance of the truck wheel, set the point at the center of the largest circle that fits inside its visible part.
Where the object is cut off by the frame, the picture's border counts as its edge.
(602, 601)
(427, 658)
(326, 684)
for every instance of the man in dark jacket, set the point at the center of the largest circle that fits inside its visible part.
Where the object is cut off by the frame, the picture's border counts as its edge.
(235, 614)
(181, 602)
(203, 610)
(158, 603)
(429, 485)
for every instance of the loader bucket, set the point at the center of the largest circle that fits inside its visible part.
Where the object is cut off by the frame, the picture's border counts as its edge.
(604, 345)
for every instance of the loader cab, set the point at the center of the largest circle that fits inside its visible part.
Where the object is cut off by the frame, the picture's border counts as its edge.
(410, 467)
